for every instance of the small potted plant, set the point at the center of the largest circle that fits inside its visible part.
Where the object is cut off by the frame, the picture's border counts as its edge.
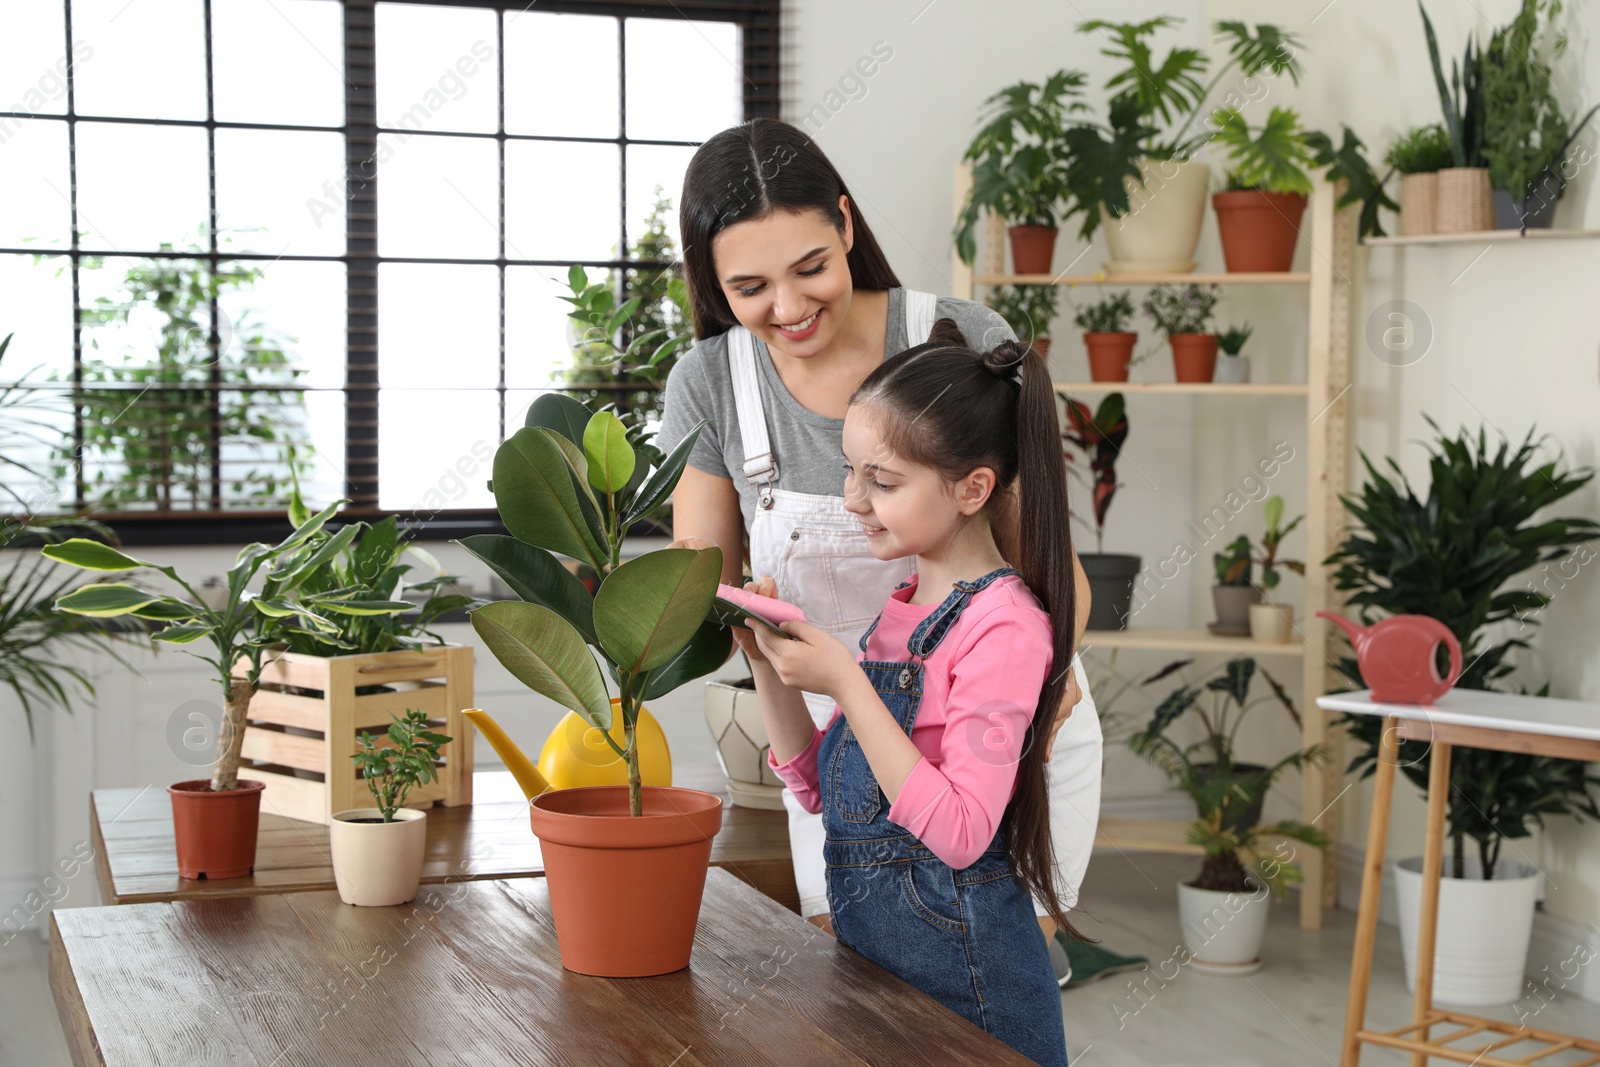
(1019, 168)
(1419, 156)
(1107, 337)
(1233, 367)
(1269, 621)
(1464, 204)
(377, 852)
(1183, 313)
(1258, 214)
(1099, 436)
(1028, 310)
(1223, 911)
(1234, 593)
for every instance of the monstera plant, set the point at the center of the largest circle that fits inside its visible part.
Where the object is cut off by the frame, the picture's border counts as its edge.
(570, 482)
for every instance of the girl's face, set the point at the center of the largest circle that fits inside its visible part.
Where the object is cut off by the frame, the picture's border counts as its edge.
(906, 509)
(786, 278)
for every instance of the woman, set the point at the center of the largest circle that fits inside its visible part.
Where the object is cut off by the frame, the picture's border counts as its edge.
(794, 305)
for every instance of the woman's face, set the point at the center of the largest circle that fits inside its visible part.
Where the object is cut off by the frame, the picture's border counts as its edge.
(786, 278)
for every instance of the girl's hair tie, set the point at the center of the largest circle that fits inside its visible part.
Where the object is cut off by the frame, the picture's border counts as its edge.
(1005, 360)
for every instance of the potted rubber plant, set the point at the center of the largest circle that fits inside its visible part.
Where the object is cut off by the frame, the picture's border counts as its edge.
(1028, 310)
(1135, 173)
(1480, 549)
(1018, 168)
(1463, 204)
(215, 820)
(1183, 313)
(1099, 437)
(1234, 367)
(626, 864)
(1107, 338)
(1234, 592)
(1418, 157)
(1223, 910)
(1258, 214)
(378, 851)
(1271, 621)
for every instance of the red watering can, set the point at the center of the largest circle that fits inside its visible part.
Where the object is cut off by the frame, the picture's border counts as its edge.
(1397, 657)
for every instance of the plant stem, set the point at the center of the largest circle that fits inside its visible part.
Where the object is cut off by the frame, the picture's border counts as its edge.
(230, 738)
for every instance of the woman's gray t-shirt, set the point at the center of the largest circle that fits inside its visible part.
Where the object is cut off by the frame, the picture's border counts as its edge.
(806, 445)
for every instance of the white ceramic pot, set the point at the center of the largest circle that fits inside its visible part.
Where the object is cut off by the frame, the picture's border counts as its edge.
(1271, 623)
(1481, 952)
(1162, 231)
(1223, 931)
(379, 863)
(1233, 370)
(734, 715)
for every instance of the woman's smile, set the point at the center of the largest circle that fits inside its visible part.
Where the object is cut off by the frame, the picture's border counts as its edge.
(801, 330)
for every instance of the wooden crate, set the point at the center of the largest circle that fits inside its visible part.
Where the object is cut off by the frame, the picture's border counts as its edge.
(301, 745)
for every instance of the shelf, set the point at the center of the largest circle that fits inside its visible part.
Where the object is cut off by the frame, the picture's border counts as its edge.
(1483, 236)
(1182, 388)
(1285, 278)
(1141, 637)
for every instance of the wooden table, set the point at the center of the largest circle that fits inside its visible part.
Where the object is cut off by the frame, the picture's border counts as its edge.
(137, 862)
(470, 974)
(1541, 726)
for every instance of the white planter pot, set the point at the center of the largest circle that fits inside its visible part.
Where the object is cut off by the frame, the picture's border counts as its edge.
(1232, 369)
(734, 715)
(1163, 229)
(1223, 931)
(1481, 952)
(378, 864)
(1271, 623)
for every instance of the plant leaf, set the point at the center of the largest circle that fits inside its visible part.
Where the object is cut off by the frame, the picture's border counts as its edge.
(534, 491)
(605, 446)
(544, 652)
(537, 577)
(649, 607)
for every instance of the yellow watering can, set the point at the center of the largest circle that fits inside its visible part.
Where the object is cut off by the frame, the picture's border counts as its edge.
(576, 755)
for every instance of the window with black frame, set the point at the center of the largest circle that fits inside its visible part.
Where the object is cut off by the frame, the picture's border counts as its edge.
(258, 242)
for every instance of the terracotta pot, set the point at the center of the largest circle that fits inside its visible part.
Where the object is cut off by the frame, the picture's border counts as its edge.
(1032, 248)
(1465, 204)
(1419, 199)
(1258, 229)
(1042, 346)
(1194, 356)
(1160, 233)
(215, 832)
(1109, 354)
(376, 864)
(624, 891)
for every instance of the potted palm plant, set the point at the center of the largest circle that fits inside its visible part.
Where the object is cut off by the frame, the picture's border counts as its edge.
(1223, 910)
(626, 864)
(1107, 337)
(1028, 310)
(1270, 621)
(1258, 214)
(1019, 170)
(1461, 551)
(1183, 313)
(1234, 367)
(1099, 436)
(1419, 156)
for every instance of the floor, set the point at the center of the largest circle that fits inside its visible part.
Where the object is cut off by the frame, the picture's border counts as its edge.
(1292, 1011)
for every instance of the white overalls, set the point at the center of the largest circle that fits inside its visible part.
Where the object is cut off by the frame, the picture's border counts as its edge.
(817, 554)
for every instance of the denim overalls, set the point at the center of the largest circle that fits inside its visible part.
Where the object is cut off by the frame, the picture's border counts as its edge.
(967, 938)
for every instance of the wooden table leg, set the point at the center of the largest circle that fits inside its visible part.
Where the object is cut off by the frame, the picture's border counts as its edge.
(1432, 867)
(1371, 889)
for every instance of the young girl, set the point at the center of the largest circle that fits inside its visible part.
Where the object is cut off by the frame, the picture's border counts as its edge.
(930, 776)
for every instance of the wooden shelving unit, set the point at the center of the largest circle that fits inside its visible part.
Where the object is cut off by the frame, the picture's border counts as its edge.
(1479, 237)
(1331, 236)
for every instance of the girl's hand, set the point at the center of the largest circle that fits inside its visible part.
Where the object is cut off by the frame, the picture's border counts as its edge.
(818, 662)
(768, 586)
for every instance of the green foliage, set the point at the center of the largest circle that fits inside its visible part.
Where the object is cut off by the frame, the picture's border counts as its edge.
(1232, 340)
(1100, 437)
(1233, 562)
(1525, 131)
(1423, 150)
(1181, 308)
(1028, 309)
(1453, 555)
(1273, 160)
(1462, 100)
(1224, 791)
(1017, 156)
(1107, 315)
(1271, 539)
(1348, 163)
(410, 759)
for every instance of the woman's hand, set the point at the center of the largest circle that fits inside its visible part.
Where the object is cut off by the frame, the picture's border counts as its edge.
(818, 662)
(1069, 700)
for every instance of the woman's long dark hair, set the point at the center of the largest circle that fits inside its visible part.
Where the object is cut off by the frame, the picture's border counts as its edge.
(943, 405)
(748, 172)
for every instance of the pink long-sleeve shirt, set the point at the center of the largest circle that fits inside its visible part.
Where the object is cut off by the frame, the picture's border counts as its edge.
(980, 689)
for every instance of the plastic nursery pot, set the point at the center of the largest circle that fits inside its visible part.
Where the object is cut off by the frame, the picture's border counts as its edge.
(1109, 354)
(1032, 248)
(1194, 356)
(1258, 229)
(215, 832)
(377, 863)
(625, 891)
